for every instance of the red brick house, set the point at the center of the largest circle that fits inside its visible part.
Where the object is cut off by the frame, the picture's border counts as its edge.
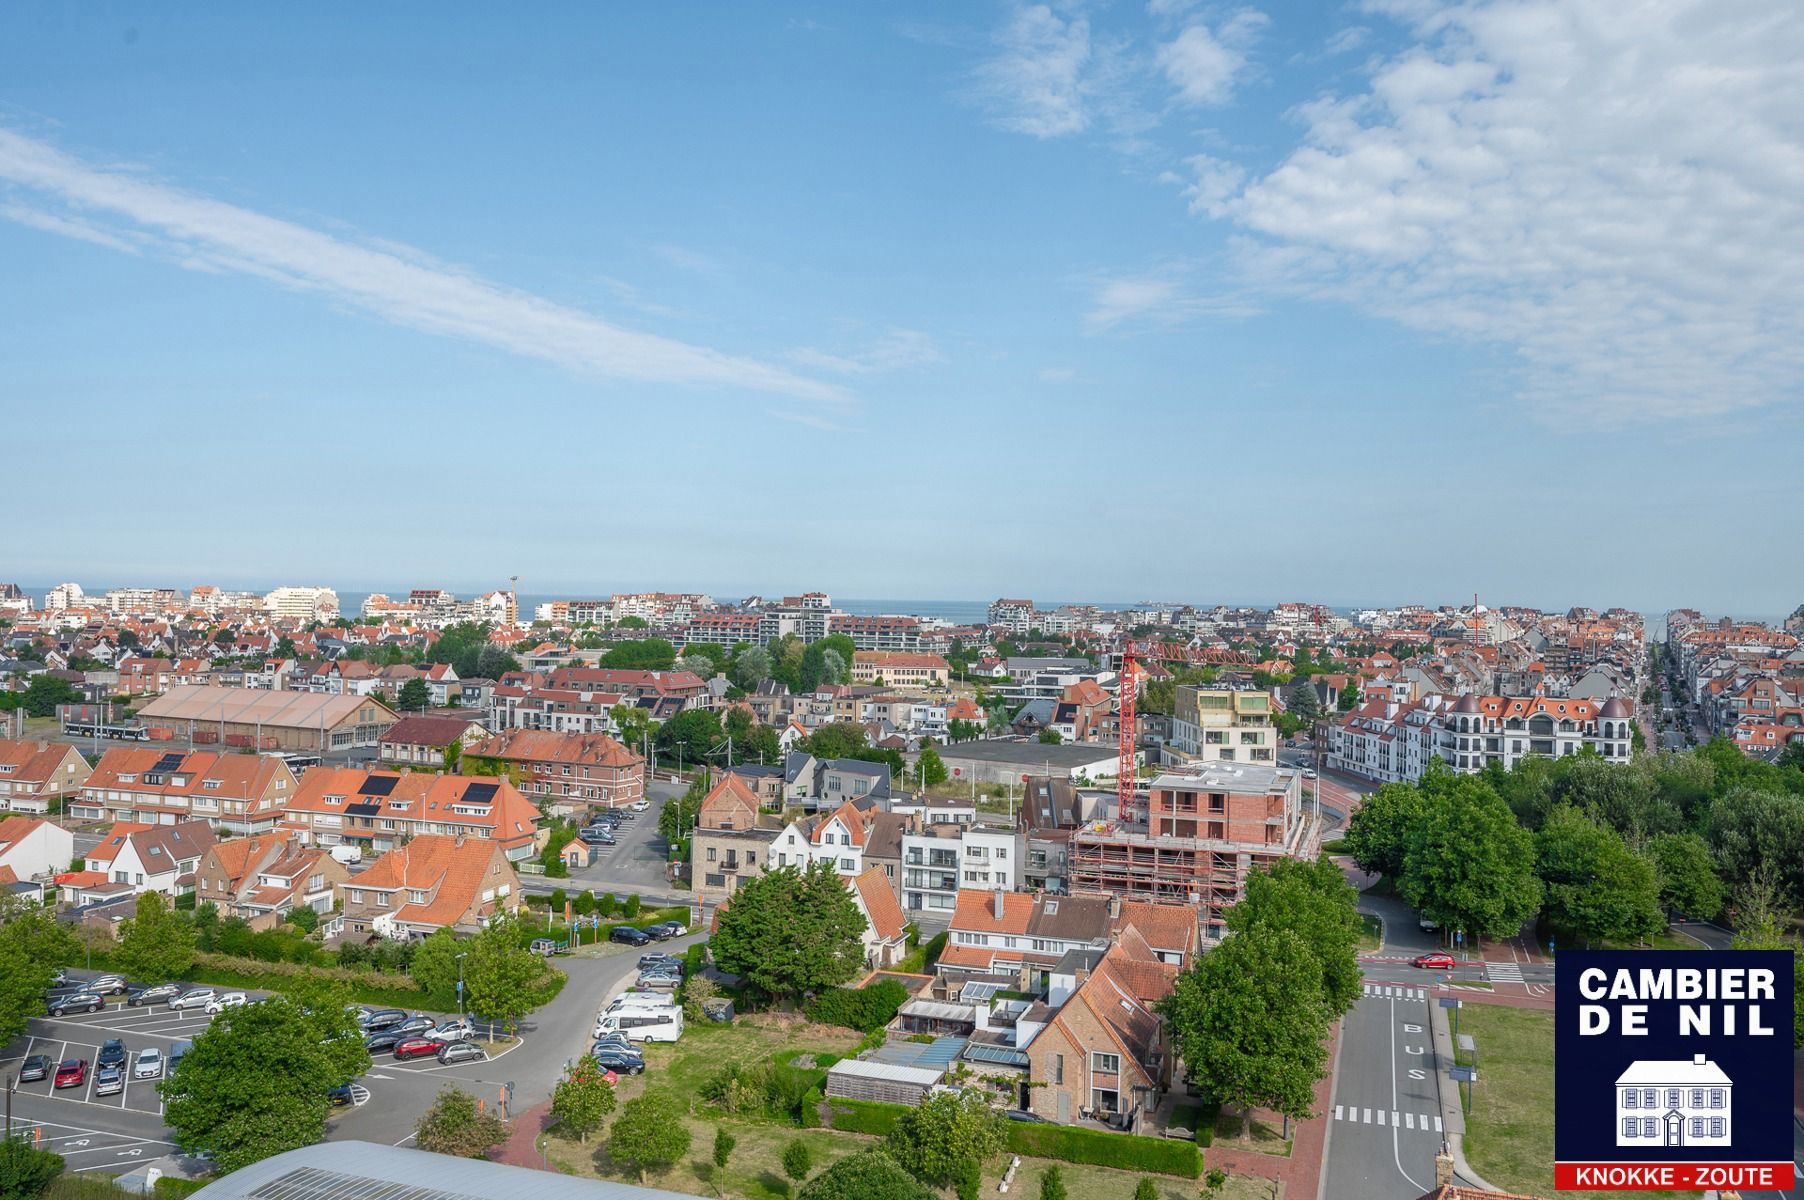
(566, 772)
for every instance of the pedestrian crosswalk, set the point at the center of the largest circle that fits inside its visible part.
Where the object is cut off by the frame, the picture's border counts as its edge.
(1380, 1116)
(1502, 972)
(1390, 992)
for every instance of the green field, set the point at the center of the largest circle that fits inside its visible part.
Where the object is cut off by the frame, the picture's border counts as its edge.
(1371, 934)
(1509, 1134)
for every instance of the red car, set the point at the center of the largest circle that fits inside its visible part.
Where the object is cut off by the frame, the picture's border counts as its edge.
(1440, 960)
(418, 1047)
(72, 1072)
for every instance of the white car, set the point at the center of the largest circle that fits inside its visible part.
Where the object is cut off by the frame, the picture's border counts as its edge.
(639, 805)
(225, 1000)
(148, 1064)
(192, 998)
(457, 1029)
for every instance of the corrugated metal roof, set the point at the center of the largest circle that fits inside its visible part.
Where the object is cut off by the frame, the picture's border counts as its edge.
(939, 1053)
(939, 1010)
(250, 706)
(366, 1171)
(872, 1069)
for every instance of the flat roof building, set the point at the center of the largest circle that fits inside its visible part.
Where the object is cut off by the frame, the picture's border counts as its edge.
(999, 761)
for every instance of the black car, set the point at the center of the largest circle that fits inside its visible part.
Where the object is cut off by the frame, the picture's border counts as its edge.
(412, 1025)
(658, 959)
(613, 1058)
(665, 930)
(112, 1054)
(595, 836)
(627, 935)
(384, 1039)
(161, 993)
(340, 1096)
(76, 1002)
(34, 1068)
(382, 1018)
(1016, 1114)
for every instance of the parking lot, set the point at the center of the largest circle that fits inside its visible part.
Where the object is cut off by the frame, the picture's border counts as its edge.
(111, 1132)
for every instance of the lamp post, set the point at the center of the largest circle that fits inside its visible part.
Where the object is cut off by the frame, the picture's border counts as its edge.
(460, 984)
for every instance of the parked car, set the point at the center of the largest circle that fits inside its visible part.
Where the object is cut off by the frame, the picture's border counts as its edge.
(1440, 960)
(614, 1039)
(34, 1068)
(383, 1039)
(417, 1047)
(148, 1064)
(112, 1054)
(1016, 1114)
(106, 985)
(412, 1026)
(382, 1018)
(340, 1096)
(176, 1051)
(627, 935)
(665, 930)
(614, 1058)
(457, 1052)
(660, 982)
(456, 1029)
(76, 1002)
(1426, 924)
(71, 1072)
(225, 1000)
(154, 994)
(657, 959)
(639, 805)
(198, 997)
(109, 1081)
(595, 835)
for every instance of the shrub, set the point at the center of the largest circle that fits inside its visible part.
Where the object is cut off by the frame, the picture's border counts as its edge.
(1123, 1151)
(865, 1116)
(630, 909)
(811, 1109)
(605, 904)
(1146, 1189)
(869, 1175)
(865, 1009)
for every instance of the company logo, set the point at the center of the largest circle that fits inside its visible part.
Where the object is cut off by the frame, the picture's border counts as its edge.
(1673, 1070)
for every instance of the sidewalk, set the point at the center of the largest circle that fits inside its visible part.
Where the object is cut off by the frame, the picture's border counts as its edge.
(521, 1148)
(1301, 1173)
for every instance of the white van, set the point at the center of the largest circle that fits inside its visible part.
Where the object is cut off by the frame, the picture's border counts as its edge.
(638, 1000)
(643, 1024)
(347, 854)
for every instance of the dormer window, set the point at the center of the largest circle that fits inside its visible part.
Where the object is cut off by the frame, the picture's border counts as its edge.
(335, 799)
(211, 785)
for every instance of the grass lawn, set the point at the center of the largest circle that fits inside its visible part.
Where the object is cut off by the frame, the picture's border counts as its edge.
(1260, 1137)
(1371, 934)
(1509, 1134)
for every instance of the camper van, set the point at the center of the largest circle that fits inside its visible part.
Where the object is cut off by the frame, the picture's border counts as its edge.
(643, 1024)
(638, 1000)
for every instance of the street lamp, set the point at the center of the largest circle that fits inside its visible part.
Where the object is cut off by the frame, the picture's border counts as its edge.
(460, 984)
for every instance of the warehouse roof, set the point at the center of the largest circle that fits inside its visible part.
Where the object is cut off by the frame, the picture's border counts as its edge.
(256, 706)
(1029, 755)
(364, 1170)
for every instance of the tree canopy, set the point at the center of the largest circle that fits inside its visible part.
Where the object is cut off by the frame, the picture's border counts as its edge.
(157, 943)
(1597, 888)
(503, 980)
(1312, 899)
(867, 1175)
(32, 943)
(1469, 865)
(649, 1134)
(454, 1125)
(651, 654)
(788, 932)
(939, 1138)
(582, 1099)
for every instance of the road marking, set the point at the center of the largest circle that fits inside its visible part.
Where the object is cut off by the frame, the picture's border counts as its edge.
(1337, 1112)
(1381, 1116)
(1503, 972)
(1437, 1125)
(1409, 1120)
(1367, 1119)
(1396, 1137)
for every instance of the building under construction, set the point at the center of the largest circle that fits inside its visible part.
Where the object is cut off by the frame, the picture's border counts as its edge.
(1201, 830)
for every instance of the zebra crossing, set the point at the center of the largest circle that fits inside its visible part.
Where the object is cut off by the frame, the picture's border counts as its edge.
(1398, 992)
(1502, 972)
(1379, 1116)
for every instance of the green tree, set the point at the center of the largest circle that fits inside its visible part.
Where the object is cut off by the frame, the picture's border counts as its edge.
(1378, 835)
(1763, 933)
(434, 965)
(1302, 700)
(652, 654)
(867, 1175)
(1688, 878)
(157, 943)
(492, 662)
(325, 1008)
(936, 1139)
(1312, 899)
(1249, 1020)
(751, 667)
(455, 1126)
(723, 1153)
(1146, 1189)
(582, 1099)
(501, 977)
(1759, 834)
(1051, 737)
(633, 723)
(838, 739)
(631, 906)
(1052, 1183)
(254, 1084)
(797, 1161)
(1621, 797)
(32, 943)
(284, 647)
(413, 697)
(931, 767)
(1469, 865)
(649, 1134)
(25, 1170)
(1349, 698)
(690, 736)
(788, 932)
(1596, 887)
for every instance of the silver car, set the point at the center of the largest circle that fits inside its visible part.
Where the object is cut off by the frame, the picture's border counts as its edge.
(148, 1064)
(109, 1081)
(193, 998)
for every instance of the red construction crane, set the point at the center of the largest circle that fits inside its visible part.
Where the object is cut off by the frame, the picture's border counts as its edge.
(1128, 687)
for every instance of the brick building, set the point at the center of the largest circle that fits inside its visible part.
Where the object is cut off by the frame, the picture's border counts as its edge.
(565, 771)
(432, 883)
(237, 793)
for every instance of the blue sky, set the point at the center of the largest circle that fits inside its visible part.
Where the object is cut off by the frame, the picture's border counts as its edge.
(1360, 303)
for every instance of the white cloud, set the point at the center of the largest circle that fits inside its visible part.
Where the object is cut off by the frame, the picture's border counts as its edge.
(124, 210)
(899, 349)
(1057, 374)
(1347, 40)
(1204, 64)
(1160, 298)
(1612, 189)
(1035, 83)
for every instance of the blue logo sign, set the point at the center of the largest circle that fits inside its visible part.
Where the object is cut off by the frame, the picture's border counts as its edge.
(1673, 1070)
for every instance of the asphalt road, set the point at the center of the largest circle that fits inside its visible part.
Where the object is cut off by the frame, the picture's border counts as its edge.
(1386, 1103)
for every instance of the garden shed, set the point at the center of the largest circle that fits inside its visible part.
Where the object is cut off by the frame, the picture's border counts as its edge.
(856, 1079)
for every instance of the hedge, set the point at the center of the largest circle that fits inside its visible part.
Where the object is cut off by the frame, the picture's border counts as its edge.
(865, 1009)
(811, 1109)
(1126, 1151)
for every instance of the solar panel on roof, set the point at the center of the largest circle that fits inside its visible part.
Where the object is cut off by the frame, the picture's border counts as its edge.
(986, 1052)
(379, 785)
(480, 793)
(974, 992)
(168, 762)
(363, 810)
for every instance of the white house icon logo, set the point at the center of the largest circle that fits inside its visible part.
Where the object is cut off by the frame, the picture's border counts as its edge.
(1673, 1103)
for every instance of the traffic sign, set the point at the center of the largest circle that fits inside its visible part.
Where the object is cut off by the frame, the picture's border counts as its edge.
(1450, 1002)
(1463, 1074)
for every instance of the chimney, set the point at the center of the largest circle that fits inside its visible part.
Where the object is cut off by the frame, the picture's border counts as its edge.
(998, 905)
(1697, 1060)
(1115, 906)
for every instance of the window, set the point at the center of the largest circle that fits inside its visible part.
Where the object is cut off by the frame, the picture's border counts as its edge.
(1650, 1127)
(1716, 1097)
(711, 854)
(1628, 1099)
(1058, 1068)
(356, 896)
(1697, 1127)
(1650, 1098)
(1629, 1125)
(1001, 853)
(1105, 1064)
(1697, 1098)
(848, 864)
(751, 856)
(1717, 1127)
(1672, 1097)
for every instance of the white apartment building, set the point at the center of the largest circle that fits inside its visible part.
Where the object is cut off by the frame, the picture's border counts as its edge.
(302, 603)
(64, 595)
(1016, 616)
(941, 859)
(1391, 740)
(1221, 725)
